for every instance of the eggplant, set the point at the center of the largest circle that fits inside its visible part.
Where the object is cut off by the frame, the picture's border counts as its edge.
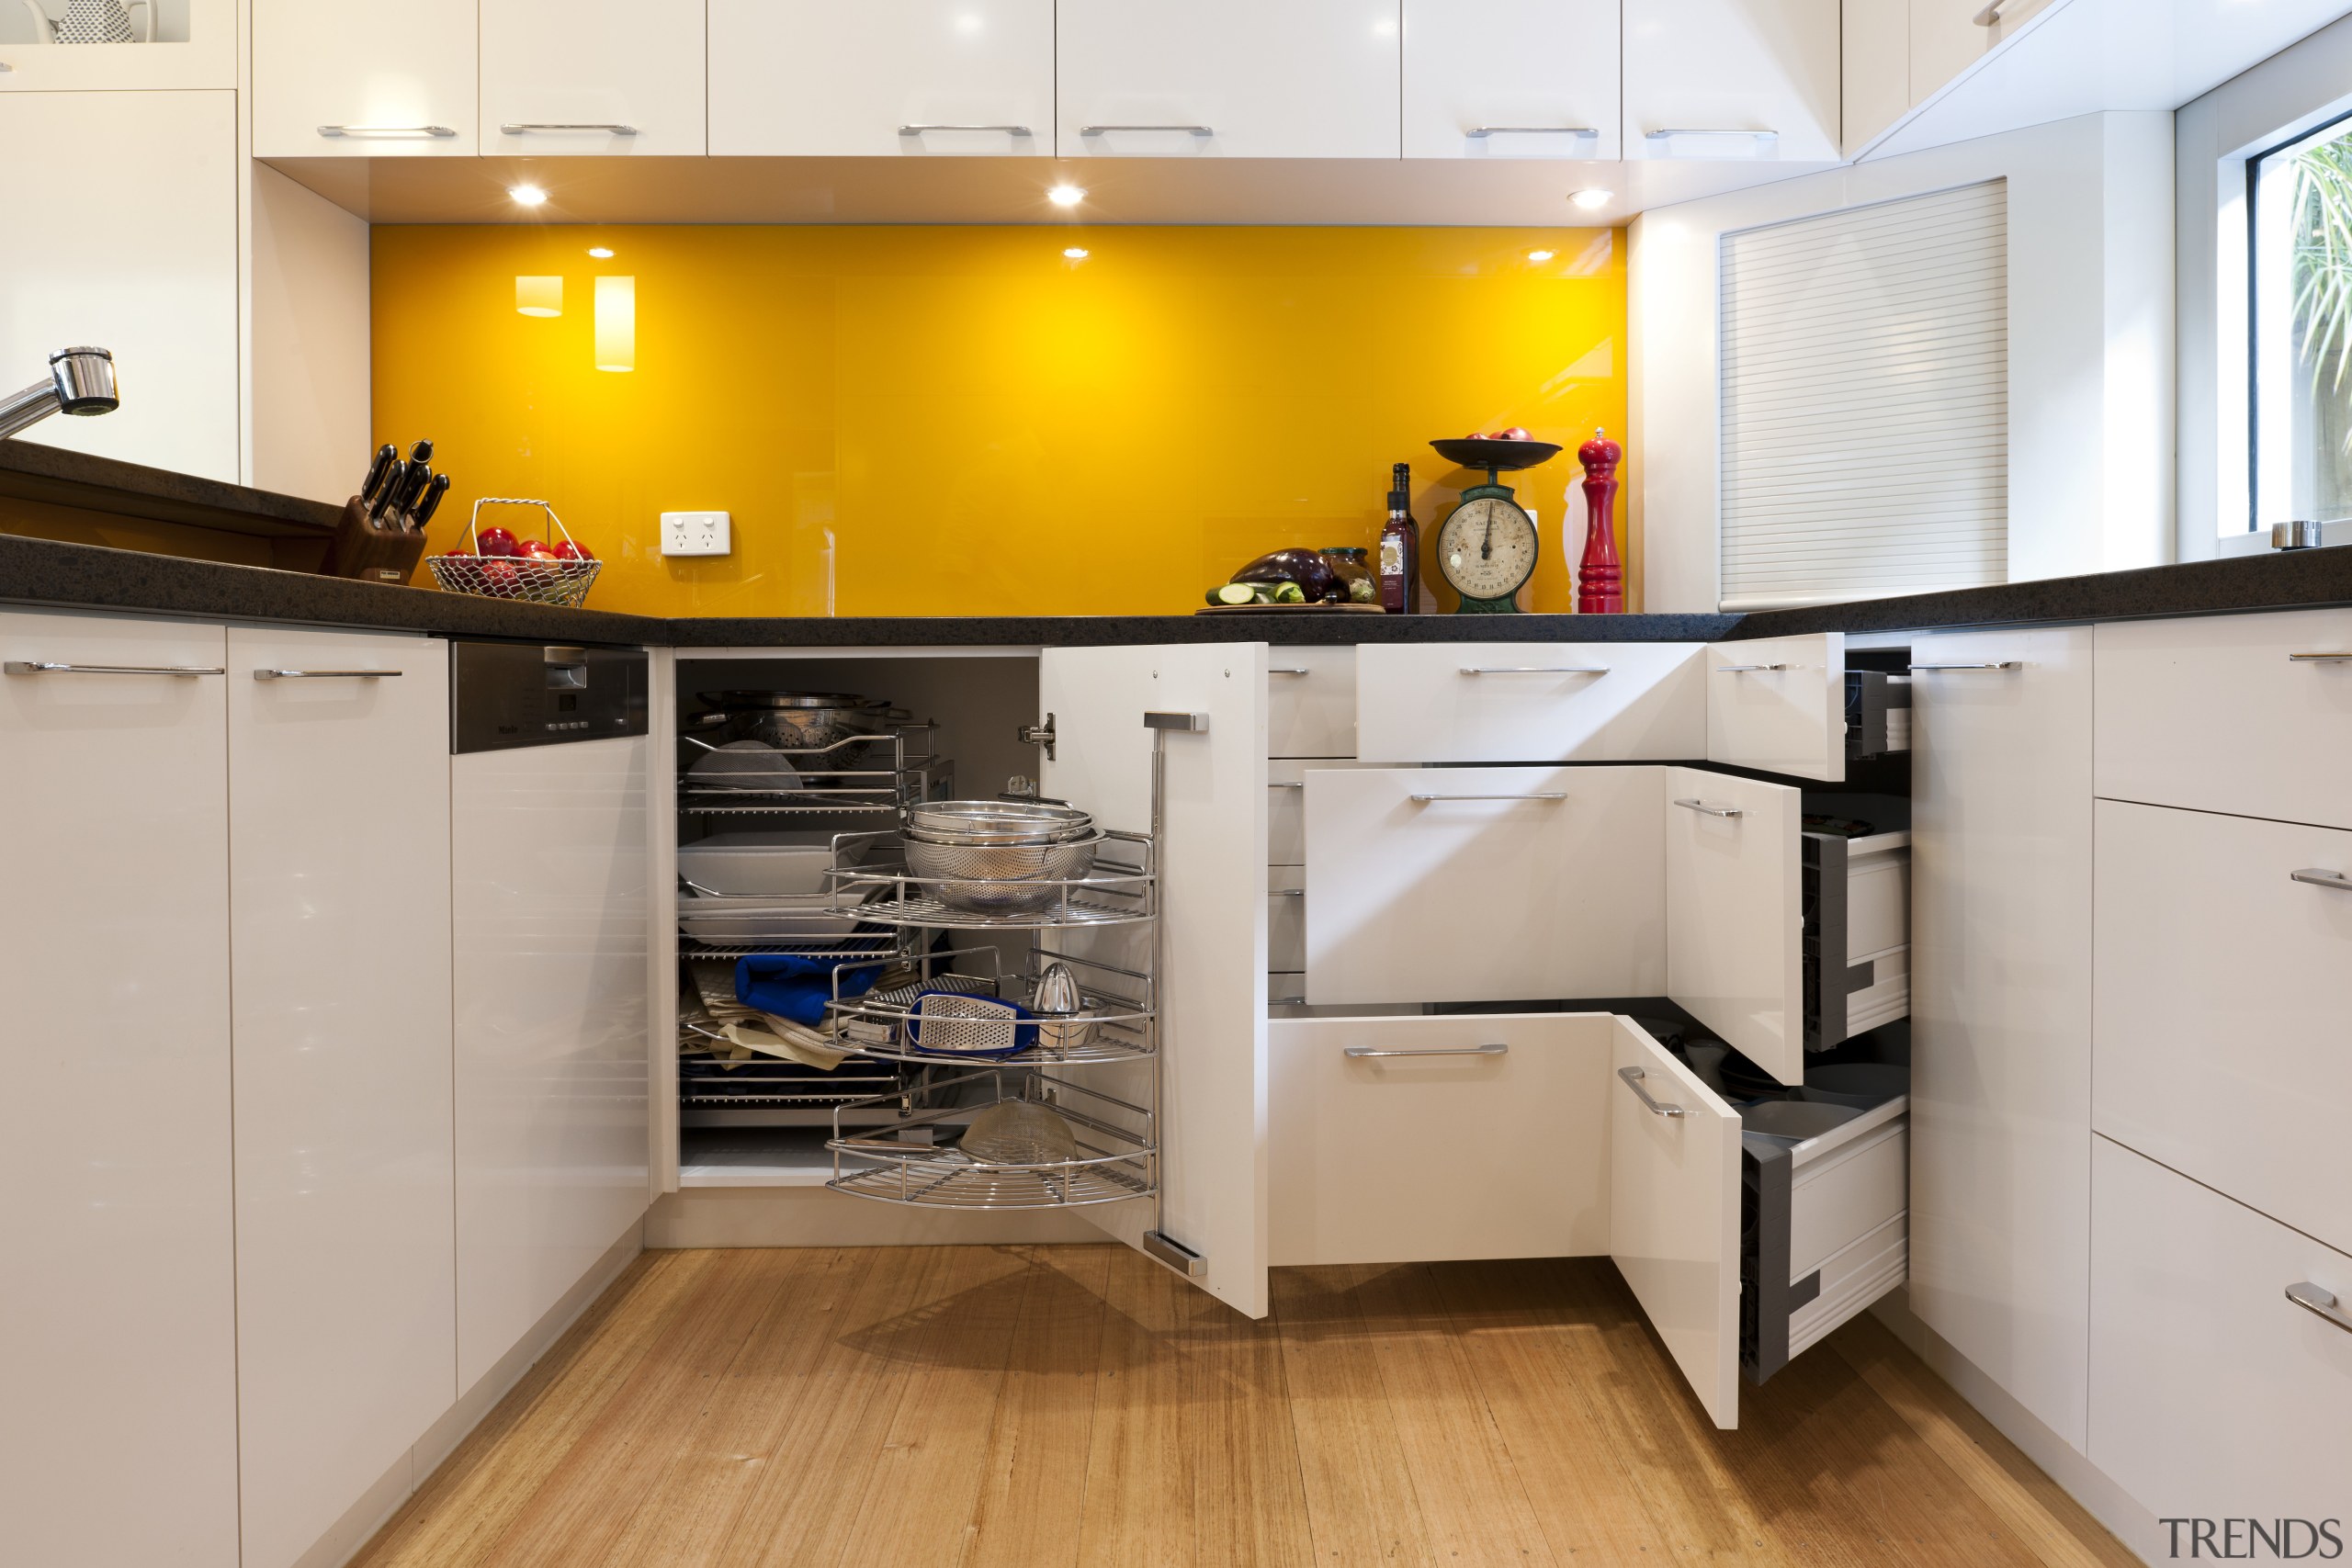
(1306, 568)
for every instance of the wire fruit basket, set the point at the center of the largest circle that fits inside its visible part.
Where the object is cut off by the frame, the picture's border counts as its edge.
(536, 581)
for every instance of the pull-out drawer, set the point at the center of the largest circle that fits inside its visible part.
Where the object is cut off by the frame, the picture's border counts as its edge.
(1402, 1140)
(1816, 1226)
(2215, 1394)
(1531, 702)
(1287, 805)
(1779, 705)
(2243, 714)
(2222, 977)
(1432, 885)
(1310, 702)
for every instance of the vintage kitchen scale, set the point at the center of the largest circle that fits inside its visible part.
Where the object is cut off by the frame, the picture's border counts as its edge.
(1487, 546)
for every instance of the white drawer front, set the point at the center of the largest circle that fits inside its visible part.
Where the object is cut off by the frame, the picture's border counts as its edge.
(1472, 1152)
(1779, 705)
(1431, 884)
(1286, 806)
(1310, 702)
(2220, 989)
(1734, 911)
(1286, 918)
(1531, 702)
(2211, 1394)
(2221, 714)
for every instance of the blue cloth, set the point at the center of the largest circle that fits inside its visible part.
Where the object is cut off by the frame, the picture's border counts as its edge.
(795, 988)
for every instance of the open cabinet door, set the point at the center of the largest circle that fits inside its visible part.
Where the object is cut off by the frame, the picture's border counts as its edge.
(1674, 1211)
(1212, 945)
(1734, 913)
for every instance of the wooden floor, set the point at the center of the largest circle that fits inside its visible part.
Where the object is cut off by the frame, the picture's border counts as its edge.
(919, 1407)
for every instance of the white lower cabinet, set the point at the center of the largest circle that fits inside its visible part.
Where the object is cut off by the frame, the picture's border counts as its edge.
(2215, 1395)
(117, 1325)
(2222, 979)
(2001, 1006)
(1311, 701)
(1400, 1140)
(1529, 701)
(1734, 916)
(339, 835)
(1484, 884)
(1779, 705)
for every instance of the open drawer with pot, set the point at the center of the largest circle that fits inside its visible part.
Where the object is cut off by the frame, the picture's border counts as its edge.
(1777, 916)
(1579, 1135)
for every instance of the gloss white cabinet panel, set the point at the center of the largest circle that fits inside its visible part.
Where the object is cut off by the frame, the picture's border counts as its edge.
(1946, 38)
(1401, 1139)
(2001, 952)
(1228, 78)
(565, 76)
(1734, 916)
(1287, 805)
(1212, 1095)
(117, 1328)
(1779, 705)
(366, 78)
(161, 292)
(339, 834)
(2222, 987)
(1531, 702)
(1510, 79)
(1875, 62)
(891, 77)
(1674, 1179)
(550, 887)
(2244, 713)
(2212, 1395)
(1311, 701)
(1548, 880)
(1730, 70)
(195, 46)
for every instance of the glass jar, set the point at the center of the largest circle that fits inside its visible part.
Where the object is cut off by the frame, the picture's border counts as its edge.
(1352, 564)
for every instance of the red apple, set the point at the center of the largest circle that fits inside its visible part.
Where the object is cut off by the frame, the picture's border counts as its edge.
(496, 542)
(566, 549)
(1516, 433)
(499, 578)
(535, 549)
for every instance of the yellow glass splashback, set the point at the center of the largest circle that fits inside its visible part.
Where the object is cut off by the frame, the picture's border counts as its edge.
(971, 421)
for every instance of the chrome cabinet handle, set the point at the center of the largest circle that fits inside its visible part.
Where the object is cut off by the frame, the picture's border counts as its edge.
(2319, 876)
(1286, 670)
(1704, 130)
(1535, 670)
(2319, 658)
(1989, 15)
(1992, 664)
(50, 667)
(326, 674)
(1634, 1077)
(1711, 810)
(1746, 668)
(1286, 1002)
(1285, 892)
(1496, 1049)
(2320, 1301)
(1547, 795)
(522, 127)
(1007, 129)
(437, 132)
(1189, 129)
(1480, 133)
(1293, 783)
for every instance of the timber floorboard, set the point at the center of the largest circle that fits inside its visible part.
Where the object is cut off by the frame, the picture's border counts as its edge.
(1082, 1407)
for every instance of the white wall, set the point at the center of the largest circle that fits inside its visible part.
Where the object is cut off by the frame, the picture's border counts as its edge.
(2090, 288)
(308, 356)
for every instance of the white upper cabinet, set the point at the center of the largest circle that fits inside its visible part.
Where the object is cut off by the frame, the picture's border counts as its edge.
(1510, 79)
(1946, 40)
(894, 77)
(608, 77)
(1748, 79)
(365, 78)
(190, 44)
(1230, 78)
(1877, 67)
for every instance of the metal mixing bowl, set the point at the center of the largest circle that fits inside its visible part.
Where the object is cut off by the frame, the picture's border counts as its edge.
(993, 879)
(995, 822)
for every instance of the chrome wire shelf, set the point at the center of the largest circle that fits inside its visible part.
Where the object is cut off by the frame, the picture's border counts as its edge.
(948, 1182)
(1113, 1161)
(830, 785)
(1116, 1028)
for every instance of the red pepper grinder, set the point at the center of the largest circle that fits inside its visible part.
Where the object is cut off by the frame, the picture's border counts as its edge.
(1600, 578)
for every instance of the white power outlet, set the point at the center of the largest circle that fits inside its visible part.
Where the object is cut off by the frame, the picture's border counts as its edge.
(696, 534)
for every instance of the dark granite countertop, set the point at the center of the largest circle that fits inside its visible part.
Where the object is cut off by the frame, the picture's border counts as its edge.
(30, 471)
(43, 572)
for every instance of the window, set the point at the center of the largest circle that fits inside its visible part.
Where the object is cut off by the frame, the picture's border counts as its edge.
(2300, 208)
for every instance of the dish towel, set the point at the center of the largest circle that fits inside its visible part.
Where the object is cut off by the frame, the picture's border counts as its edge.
(795, 988)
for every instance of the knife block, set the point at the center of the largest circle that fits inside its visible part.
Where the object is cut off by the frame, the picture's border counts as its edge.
(372, 550)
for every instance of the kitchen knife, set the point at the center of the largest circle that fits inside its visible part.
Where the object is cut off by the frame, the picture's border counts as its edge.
(422, 452)
(385, 497)
(432, 502)
(404, 494)
(380, 473)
